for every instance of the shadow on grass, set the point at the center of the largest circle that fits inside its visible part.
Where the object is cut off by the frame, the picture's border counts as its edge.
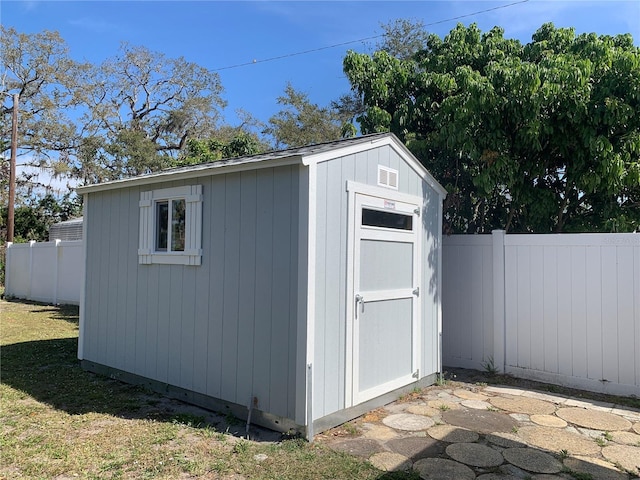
(49, 371)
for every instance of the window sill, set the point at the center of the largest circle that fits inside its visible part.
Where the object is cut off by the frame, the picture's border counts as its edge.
(183, 258)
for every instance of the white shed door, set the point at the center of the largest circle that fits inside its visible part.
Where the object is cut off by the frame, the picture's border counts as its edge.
(386, 293)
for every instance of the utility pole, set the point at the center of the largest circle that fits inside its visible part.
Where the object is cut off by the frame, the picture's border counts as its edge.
(12, 168)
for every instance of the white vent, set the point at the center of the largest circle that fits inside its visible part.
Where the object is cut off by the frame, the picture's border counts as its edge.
(387, 177)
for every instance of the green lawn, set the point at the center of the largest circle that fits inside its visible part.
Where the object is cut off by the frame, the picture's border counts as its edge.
(60, 422)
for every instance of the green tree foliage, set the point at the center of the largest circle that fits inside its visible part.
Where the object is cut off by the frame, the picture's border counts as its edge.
(33, 219)
(49, 83)
(302, 122)
(214, 149)
(541, 137)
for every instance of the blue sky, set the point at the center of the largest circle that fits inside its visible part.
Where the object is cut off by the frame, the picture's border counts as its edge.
(217, 35)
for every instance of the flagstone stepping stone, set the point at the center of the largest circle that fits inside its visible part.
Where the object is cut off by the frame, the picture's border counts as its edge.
(481, 421)
(528, 405)
(548, 421)
(555, 440)
(390, 462)
(358, 447)
(497, 476)
(532, 460)
(379, 432)
(476, 404)
(520, 417)
(505, 440)
(632, 415)
(443, 405)
(416, 448)
(423, 410)
(594, 419)
(626, 438)
(553, 398)
(636, 428)
(475, 454)
(627, 456)
(595, 467)
(443, 469)
(505, 390)
(408, 422)
(469, 395)
(451, 434)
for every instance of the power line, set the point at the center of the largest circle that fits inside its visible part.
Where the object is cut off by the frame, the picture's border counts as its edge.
(350, 42)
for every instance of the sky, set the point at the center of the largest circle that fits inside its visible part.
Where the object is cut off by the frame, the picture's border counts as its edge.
(228, 37)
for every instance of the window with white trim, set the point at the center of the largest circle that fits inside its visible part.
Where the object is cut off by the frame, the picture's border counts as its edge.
(171, 226)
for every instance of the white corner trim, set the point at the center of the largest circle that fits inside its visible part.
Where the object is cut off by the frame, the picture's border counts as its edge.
(83, 285)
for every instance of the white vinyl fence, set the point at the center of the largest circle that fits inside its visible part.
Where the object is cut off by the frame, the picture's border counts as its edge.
(50, 272)
(562, 309)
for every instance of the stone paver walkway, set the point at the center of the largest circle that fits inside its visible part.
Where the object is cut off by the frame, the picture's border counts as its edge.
(474, 431)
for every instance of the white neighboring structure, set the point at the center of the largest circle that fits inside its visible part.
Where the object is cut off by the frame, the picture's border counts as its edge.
(67, 230)
(301, 285)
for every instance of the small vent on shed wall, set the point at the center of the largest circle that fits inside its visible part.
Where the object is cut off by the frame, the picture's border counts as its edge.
(387, 177)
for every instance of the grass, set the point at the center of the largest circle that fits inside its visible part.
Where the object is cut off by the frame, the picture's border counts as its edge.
(57, 420)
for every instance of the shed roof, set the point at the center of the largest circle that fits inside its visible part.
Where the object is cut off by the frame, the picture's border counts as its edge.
(306, 155)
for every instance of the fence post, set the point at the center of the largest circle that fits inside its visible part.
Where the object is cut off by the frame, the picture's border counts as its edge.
(31, 244)
(499, 361)
(57, 249)
(7, 270)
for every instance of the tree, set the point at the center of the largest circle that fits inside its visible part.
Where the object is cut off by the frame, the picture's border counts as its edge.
(33, 219)
(39, 69)
(142, 110)
(403, 38)
(301, 122)
(539, 137)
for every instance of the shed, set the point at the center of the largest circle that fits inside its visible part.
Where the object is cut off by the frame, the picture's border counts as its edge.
(301, 286)
(67, 230)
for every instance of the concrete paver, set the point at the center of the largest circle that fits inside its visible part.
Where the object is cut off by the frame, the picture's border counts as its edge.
(530, 406)
(457, 434)
(556, 440)
(423, 410)
(390, 462)
(408, 421)
(625, 438)
(451, 434)
(594, 419)
(595, 467)
(505, 440)
(469, 395)
(416, 448)
(477, 404)
(481, 421)
(443, 469)
(627, 456)
(548, 421)
(475, 454)
(532, 460)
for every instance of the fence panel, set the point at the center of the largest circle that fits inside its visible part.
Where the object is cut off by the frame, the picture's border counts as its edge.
(569, 313)
(49, 272)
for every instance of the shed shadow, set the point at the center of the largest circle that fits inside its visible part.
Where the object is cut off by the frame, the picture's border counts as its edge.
(49, 371)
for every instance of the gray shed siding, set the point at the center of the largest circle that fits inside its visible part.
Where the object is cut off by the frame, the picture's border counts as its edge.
(227, 328)
(329, 363)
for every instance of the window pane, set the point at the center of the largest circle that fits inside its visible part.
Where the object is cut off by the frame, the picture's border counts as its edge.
(377, 218)
(177, 225)
(162, 225)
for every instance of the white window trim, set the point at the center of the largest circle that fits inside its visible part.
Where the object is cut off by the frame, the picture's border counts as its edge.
(192, 254)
